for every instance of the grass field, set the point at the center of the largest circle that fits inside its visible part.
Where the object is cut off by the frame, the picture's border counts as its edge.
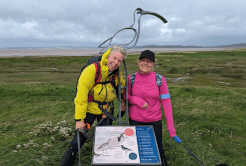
(207, 91)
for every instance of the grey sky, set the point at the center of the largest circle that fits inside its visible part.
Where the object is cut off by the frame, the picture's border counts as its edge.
(40, 23)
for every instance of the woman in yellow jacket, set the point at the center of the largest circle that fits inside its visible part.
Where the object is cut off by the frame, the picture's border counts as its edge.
(86, 111)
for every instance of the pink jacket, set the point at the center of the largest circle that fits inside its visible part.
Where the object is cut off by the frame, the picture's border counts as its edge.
(144, 90)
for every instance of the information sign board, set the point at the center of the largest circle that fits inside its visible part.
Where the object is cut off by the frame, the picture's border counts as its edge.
(125, 145)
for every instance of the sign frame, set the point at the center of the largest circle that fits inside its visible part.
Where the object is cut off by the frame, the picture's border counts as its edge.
(125, 145)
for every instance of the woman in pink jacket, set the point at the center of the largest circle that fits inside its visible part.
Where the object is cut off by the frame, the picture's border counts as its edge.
(145, 99)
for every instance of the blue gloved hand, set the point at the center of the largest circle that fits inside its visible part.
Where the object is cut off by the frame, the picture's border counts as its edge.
(177, 139)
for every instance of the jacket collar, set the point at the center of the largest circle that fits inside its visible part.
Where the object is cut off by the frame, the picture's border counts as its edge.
(145, 74)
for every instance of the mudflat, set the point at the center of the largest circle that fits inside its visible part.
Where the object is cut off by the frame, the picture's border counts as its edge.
(5, 53)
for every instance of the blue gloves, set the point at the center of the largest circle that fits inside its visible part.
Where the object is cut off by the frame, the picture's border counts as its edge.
(177, 139)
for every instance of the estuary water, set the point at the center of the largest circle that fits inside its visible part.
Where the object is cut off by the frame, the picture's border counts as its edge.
(6, 53)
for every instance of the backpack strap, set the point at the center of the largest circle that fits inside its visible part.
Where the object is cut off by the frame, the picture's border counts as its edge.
(98, 75)
(97, 78)
(158, 80)
(112, 79)
(132, 78)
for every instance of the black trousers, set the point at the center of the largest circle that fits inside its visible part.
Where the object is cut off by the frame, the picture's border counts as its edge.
(158, 133)
(70, 155)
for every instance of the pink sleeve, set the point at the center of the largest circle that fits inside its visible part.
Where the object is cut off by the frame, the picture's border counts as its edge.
(167, 107)
(133, 99)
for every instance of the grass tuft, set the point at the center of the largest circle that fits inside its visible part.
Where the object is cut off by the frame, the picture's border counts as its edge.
(207, 92)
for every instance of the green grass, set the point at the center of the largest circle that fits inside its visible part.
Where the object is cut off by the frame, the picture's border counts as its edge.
(36, 103)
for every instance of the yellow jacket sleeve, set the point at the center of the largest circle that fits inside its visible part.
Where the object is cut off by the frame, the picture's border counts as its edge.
(85, 84)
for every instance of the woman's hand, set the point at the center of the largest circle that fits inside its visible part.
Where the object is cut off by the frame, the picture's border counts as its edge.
(123, 106)
(80, 125)
(145, 105)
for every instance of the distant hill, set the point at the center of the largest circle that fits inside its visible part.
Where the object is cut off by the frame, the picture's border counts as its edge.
(167, 46)
(239, 45)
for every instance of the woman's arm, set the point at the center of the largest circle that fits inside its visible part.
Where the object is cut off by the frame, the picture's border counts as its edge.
(167, 107)
(85, 83)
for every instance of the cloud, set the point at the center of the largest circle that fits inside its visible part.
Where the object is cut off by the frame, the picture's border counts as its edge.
(79, 22)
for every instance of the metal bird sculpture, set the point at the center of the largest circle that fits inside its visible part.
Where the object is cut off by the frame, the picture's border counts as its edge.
(137, 32)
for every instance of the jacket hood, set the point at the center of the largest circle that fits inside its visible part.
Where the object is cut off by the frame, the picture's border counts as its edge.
(104, 61)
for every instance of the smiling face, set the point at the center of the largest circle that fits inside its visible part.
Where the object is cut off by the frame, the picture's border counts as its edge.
(114, 60)
(145, 65)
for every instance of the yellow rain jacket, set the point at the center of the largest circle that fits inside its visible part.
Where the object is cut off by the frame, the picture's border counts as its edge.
(100, 92)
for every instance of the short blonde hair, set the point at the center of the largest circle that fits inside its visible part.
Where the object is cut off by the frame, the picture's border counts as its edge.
(118, 48)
